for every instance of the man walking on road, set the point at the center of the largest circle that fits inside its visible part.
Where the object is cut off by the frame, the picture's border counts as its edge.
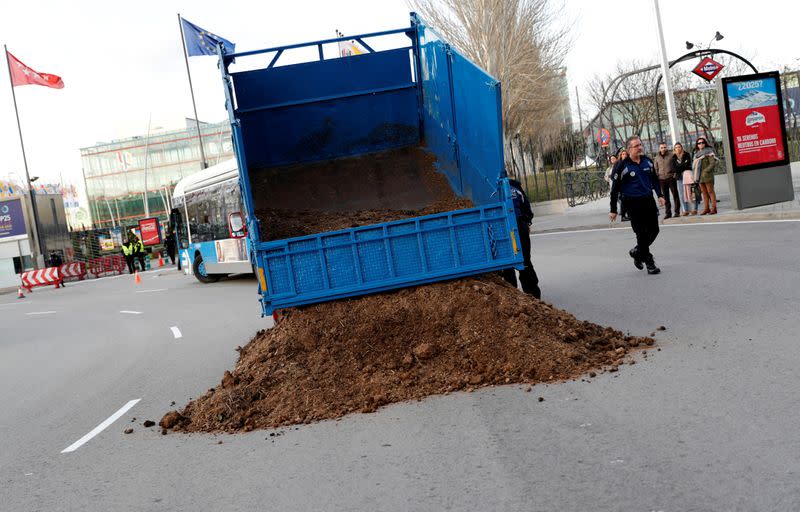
(636, 179)
(666, 171)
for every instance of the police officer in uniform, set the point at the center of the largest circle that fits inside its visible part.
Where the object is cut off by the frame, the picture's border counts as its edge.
(636, 179)
(524, 214)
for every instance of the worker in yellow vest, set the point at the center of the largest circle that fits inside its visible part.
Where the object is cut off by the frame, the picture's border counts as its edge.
(128, 249)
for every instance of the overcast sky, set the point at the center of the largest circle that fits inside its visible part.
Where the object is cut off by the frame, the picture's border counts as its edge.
(122, 62)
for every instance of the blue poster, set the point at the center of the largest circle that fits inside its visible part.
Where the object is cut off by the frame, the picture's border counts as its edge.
(12, 221)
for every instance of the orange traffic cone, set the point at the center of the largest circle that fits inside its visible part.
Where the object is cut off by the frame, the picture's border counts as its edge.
(20, 295)
(160, 260)
(137, 278)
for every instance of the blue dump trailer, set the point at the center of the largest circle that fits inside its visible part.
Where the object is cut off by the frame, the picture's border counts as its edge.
(360, 136)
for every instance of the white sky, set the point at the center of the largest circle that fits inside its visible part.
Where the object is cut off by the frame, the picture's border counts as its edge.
(122, 62)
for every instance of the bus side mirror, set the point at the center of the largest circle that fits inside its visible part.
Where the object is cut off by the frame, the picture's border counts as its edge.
(236, 225)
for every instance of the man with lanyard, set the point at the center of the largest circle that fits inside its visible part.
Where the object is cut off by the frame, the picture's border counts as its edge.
(636, 179)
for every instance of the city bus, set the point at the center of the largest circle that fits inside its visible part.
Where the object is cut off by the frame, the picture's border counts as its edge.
(209, 224)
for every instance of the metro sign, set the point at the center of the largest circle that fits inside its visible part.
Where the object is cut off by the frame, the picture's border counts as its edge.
(708, 68)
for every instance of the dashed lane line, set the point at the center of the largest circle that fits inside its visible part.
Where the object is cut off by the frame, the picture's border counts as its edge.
(151, 291)
(128, 312)
(99, 428)
(176, 332)
(40, 313)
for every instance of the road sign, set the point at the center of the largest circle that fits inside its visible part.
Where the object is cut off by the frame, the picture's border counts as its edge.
(603, 137)
(708, 68)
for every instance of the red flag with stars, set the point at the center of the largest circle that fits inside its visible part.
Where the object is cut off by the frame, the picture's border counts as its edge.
(23, 75)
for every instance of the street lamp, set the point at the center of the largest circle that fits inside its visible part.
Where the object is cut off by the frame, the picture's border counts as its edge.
(717, 37)
(35, 210)
(146, 158)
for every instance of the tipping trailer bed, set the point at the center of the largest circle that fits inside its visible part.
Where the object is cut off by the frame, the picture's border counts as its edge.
(411, 135)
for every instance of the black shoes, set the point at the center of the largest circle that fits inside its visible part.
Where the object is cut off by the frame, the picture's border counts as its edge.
(652, 269)
(636, 261)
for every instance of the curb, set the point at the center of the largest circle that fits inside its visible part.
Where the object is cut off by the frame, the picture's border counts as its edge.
(705, 219)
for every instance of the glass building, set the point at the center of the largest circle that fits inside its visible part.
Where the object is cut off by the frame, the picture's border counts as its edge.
(121, 175)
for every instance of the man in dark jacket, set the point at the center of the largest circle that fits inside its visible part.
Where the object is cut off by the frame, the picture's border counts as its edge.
(666, 171)
(636, 178)
(524, 214)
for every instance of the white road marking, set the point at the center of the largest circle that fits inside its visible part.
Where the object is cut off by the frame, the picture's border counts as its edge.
(131, 312)
(99, 428)
(176, 332)
(15, 303)
(667, 226)
(41, 313)
(150, 291)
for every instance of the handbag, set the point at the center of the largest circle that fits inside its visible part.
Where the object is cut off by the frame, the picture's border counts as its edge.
(696, 192)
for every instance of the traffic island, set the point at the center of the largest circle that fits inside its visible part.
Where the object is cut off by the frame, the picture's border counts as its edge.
(328, 360)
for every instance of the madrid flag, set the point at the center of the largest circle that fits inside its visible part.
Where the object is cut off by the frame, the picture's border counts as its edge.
(23, 75)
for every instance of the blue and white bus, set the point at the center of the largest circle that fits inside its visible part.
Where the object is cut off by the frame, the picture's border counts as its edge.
(209, 224)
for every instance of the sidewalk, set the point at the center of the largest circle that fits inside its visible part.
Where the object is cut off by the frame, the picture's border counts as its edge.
(594, 215)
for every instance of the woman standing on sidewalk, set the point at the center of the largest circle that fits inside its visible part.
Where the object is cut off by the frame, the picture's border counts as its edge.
(683, 170)
(705, 161)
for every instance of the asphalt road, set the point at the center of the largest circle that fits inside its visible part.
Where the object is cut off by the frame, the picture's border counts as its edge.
(709, 422)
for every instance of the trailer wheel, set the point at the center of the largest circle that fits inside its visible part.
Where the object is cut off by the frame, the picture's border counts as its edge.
(200, 273)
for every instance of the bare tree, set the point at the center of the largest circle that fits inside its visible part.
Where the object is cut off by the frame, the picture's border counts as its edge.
(520, 43)
(625, 107)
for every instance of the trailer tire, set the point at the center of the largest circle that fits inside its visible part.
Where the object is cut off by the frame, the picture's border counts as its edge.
(199, 270)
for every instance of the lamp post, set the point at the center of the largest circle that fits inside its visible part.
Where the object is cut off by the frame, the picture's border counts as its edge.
(39, 254)
(665, 71)
(146, 159)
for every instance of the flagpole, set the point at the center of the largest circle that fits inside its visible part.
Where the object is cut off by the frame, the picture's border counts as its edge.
(191, 89)
(37, 237)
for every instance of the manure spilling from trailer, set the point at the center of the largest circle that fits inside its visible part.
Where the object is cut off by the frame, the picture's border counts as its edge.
(328, 360)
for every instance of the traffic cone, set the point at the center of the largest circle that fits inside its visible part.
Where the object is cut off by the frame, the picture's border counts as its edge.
(160, 260)
(137, 278)
(20, 295)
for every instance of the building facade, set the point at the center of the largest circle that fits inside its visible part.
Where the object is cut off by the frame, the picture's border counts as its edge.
(121, 175)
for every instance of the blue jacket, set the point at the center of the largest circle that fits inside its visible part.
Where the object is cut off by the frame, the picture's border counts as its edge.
(634, 180)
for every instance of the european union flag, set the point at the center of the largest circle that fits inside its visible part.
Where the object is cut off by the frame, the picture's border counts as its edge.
(202, 42)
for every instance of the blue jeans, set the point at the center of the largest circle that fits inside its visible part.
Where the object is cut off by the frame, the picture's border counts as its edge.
(682, 196)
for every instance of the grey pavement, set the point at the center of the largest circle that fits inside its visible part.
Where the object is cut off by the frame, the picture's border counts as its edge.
(709, 422)
(594, 214)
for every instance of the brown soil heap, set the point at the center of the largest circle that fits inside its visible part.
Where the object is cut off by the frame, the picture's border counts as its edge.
(327, 360)
(343, 193)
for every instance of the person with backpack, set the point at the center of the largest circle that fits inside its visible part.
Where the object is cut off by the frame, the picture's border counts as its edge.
(524, 214)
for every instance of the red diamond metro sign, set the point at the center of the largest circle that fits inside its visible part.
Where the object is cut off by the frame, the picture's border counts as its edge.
(708, 68)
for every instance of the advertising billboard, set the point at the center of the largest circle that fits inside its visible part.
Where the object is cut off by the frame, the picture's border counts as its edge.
(151, 234)
(12, 221)
(757, 135)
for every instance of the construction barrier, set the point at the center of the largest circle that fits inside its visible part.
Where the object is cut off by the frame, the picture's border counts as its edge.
(74, 269)
(42, 277)
(107, 265)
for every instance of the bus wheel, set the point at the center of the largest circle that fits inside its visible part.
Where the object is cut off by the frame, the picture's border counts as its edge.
(200, 271)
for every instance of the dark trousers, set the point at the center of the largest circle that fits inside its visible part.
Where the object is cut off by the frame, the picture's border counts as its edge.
(129, 261)
(671, 185)
(171, 254)
(527, 276)
(140, 257)
(643, 213)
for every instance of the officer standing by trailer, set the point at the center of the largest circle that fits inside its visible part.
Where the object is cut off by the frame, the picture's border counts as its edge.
(636, 179)
(524, 214)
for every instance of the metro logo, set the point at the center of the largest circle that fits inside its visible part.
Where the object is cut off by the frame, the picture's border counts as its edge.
(708, 68)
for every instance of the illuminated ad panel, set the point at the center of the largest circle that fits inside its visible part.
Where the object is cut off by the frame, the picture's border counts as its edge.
(755, 119)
